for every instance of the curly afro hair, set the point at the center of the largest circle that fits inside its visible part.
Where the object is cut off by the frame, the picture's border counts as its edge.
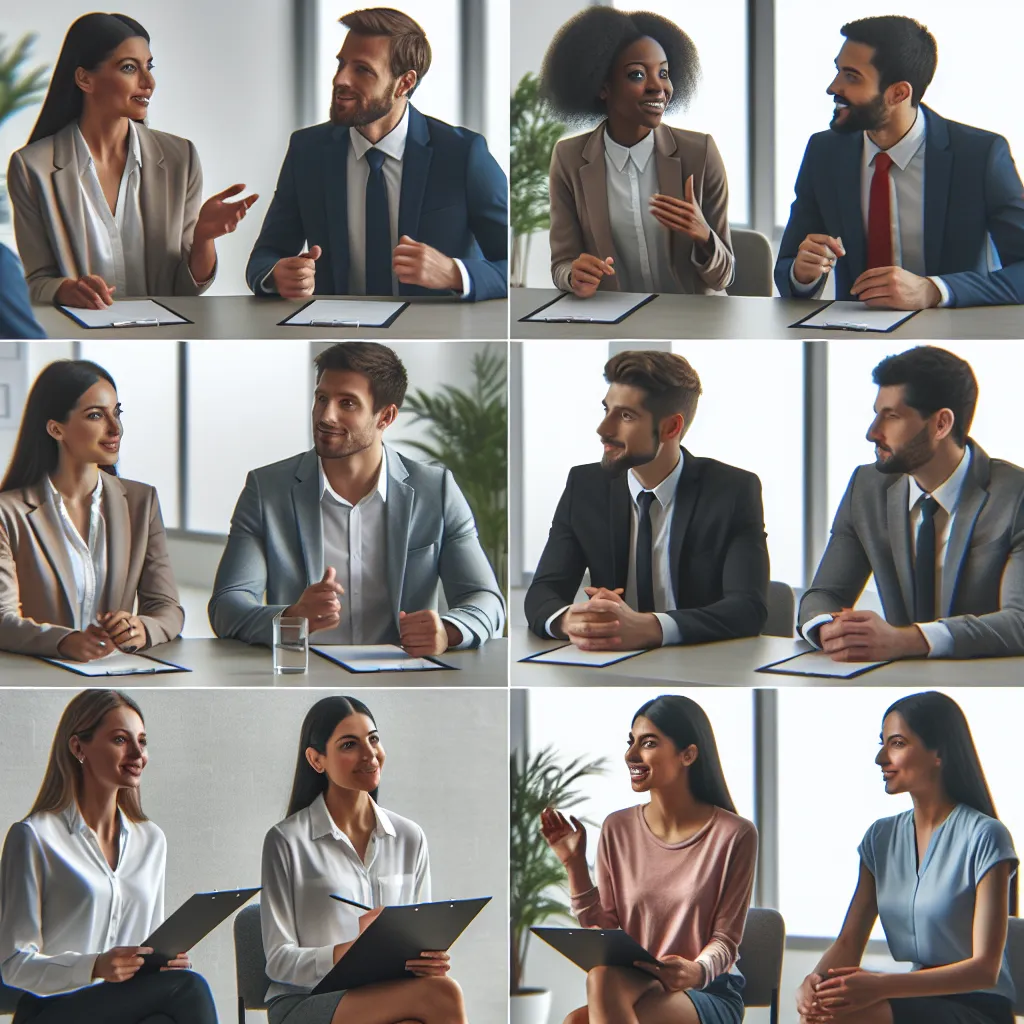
(580, 59)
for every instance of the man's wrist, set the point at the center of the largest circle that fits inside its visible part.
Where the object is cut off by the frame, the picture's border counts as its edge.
(915, 643)
(452, 633)
(653, 635)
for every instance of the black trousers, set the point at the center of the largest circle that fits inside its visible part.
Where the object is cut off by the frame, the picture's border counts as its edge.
(165, 997)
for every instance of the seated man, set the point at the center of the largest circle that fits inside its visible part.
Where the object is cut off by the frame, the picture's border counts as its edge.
(352, 536)
(675, 546)
(382, 200)
(903, 204)
(16, 317)
(938, 523)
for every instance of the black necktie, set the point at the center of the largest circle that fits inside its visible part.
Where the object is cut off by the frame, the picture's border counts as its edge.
(924, 563)
(378, 227)
(644, 546)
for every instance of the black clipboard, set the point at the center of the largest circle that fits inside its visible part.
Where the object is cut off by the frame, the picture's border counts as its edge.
(129, 327)
(595, 947)
(384, 325)
(400, 934)
(191, 923)
(773, 669)
(170, 668)
(852, 330)
(573, 664)
(583, 323)
(438, 664)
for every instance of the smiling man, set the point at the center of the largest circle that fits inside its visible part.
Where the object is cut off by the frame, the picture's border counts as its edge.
(938, 523)
(352, 536)
(674, 543)
(908, 210)
(381, 200)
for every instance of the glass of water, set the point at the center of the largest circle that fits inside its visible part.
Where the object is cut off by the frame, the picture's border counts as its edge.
(291, 645)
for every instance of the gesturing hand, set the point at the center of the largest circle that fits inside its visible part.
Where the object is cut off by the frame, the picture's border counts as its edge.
(567, 838)
(218, 217)
(682, 215)
(86, 645)
(674, 973)
(420, 264)
(295, 276)
(817, 255)
(895, 288)
(431, 964)
(87, 292)
(586, 273)
(319, 605)
(119, 963)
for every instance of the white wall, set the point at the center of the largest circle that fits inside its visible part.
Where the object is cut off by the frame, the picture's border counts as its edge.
(220, 771)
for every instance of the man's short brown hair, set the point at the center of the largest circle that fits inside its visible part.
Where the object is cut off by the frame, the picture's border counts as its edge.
(410, 50)
(670, 384)
(379, 364)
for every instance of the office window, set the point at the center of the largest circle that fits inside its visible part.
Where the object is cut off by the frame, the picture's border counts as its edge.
(497, 65)
(981, 40)
(719, 32)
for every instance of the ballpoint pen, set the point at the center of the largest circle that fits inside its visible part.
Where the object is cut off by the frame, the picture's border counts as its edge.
(569, 319)
(144, 322)
(351, 903)
(334, 323)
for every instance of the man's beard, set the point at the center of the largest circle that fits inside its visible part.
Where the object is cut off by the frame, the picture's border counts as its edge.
(359, 114)
(861, 117)
(353, 444)
(615, 465)
(912, 456)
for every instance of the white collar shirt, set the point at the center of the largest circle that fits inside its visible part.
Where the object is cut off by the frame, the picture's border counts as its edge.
(88, 555)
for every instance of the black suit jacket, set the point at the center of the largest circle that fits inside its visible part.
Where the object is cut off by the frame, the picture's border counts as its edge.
(718, 550)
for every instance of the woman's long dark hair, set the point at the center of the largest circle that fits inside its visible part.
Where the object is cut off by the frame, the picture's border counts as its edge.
(939, 722)
(54, 394)
(317, 728)
(685, 723)
(89, 42)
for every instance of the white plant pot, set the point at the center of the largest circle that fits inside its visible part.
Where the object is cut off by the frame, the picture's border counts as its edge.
(530, 1007)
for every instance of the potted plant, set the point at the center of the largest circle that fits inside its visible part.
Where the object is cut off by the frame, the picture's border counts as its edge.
(16, 93)
(533, 136)
(538, 881)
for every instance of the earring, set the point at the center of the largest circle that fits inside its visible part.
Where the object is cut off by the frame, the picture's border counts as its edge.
(81, 759)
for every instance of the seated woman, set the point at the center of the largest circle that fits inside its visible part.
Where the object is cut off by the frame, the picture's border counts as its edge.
(82, 883)
(635, 204)
(337, 840)
(104, 207)
(940, 876)
(675, 874)
(80, 547)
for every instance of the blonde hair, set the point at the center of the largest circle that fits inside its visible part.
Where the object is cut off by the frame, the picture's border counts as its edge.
(63, 780)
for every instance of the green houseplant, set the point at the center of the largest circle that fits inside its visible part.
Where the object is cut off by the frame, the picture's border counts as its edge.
(538, 881)
(17, 91)
(469, 434)
(533, 135)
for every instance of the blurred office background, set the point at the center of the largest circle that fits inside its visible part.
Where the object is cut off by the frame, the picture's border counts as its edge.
(237, 79)
(795, 414)
(766, 65)
(199, 415)
(800, 764)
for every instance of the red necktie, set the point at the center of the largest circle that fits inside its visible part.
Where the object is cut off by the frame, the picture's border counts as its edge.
(879, 215)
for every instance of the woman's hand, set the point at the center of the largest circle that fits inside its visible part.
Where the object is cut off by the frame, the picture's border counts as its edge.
(432, 964)
(569, 841)
(180, 963)
(119, 963)
(807, 999)
(87, 292)
(675, 973)
(86, 645)
(219, 217)
(365, 920)
(682, 215)
(847, 989)
(125, 630)
(586, 273)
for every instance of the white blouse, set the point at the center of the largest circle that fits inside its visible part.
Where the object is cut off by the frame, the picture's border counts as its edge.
(61, 904)
(306, 859)
(88, 555)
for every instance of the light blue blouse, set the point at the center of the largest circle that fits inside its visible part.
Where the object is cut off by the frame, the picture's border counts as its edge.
(928, 915)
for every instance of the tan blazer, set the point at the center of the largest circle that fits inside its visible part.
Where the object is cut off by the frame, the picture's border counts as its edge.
(579, 206)
(36, 580)
(49, 221)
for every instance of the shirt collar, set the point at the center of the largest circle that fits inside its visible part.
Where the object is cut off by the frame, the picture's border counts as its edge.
(392, 145)
(639, 154)
(84, 155)
(73, 820)
(947, 494)
(97, 494)
(382, 484)
(905, 150)
(665, 492)
(322, 824)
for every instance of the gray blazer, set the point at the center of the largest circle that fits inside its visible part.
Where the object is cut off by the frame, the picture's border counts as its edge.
(982, 597)
(275, 548)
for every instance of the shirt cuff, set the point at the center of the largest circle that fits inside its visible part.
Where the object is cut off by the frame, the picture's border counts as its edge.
(467, 283)
(670, 631)
(323, 962)
(938, 638)
(551, 620)
(803, 291)
(809, 630)
(266, 284)
(709, 970)
(467, 636)
(946, 299)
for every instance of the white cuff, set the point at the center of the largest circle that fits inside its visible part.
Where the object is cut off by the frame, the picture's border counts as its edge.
(467, 636)
(803, 291)
(550, 622)
(809, 630)
(467, 284)
(938, 638)
(267, 285)
(947, 295)
(709, 971)
(670, 631)
(323, 962)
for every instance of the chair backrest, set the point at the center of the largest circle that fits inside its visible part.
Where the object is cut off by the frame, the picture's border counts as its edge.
(754, 263)
(764, 939)
(8, 999)
(250, 961)
(1015, 958)
(781, 610)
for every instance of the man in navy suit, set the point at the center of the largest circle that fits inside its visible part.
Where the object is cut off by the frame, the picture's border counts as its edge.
(383, 200)
(910, 210)
(16, 317)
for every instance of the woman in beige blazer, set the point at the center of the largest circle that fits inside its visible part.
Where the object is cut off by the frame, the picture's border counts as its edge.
(635, 204)
(80, 548)
(104, 207)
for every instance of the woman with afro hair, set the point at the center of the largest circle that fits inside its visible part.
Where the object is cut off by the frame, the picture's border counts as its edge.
(636, 205)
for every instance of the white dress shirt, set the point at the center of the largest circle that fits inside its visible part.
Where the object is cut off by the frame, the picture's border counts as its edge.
(306, 859)
(115, 242)
(61, 904)
(88, 557)
(662, 510)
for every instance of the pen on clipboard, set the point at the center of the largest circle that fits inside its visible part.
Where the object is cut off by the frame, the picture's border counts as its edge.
(144, 322)
(351, 903)
(569, 319)
(849, 325)
(333, 323)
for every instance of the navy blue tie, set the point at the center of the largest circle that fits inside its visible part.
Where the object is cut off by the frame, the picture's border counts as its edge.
(644, 553)
(924, 563)
(378, 227)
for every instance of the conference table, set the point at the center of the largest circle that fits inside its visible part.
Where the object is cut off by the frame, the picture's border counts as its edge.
(245, 317)
(733, 663)
(741, 316)
(233, 663)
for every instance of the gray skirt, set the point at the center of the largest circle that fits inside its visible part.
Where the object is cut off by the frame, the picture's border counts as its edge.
(300, 1009)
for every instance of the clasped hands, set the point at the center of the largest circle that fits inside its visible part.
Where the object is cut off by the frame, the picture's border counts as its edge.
(865, 636)
(605, 622)
(431, 963)
(118, 629)
(846, 990)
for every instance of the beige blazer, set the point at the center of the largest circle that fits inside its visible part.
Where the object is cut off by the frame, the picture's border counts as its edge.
(36, 580)
(44, 182)
(579, 206)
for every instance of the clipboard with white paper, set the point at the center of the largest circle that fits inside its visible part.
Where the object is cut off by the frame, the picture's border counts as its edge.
(570, 654)
(820, 665)
(843, 315)
(350, 313)
(125, 314)
(376, 658)
(117, 664)
(600, 308)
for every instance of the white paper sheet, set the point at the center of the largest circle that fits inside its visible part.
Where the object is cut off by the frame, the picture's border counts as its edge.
(572, 655)
(375, 658)
(600, 308)
(343, 313)
(856, 316)
(130, 313)
(116, 664)
(818, 663)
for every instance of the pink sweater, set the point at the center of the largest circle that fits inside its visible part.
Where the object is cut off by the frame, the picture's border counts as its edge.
(688, 899)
